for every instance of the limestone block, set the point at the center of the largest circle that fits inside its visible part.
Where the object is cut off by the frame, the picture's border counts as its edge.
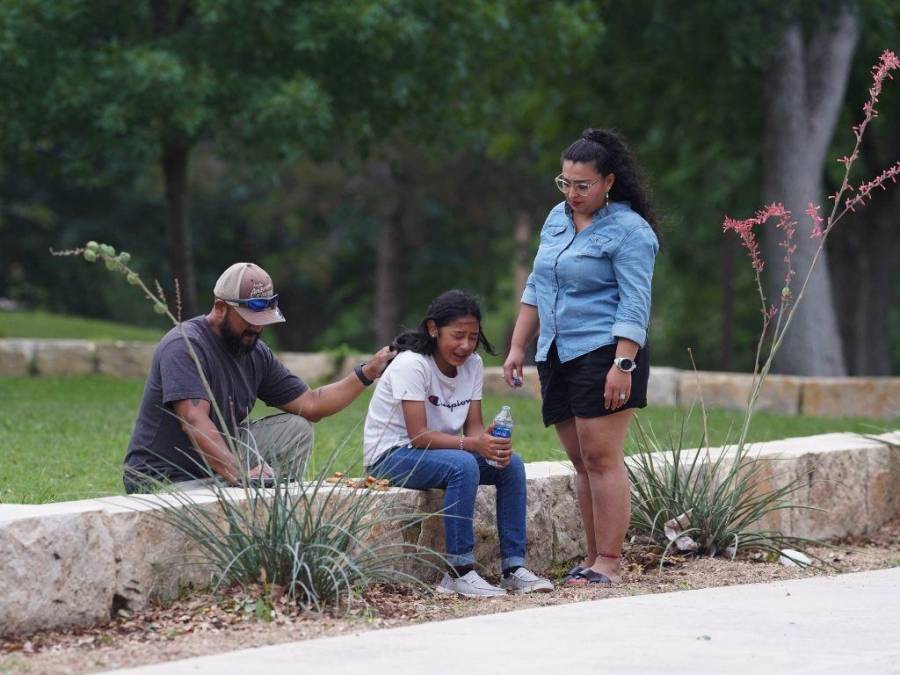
(883, 489)
(431, 530)
(852, 397)
(836, 485)
(891, 439)
(540, 528)
(121, 358)
(731, 391)
(833, 471)
(663, 386)
(398, 515)
(487, 546)
(495, 384)
(16, 357)
(884, 479)
(719, 390)
(781, 394)
(568, 532)
(55, 571)
(767, 474)
(309, 367)
(153, 558)
(65, 357)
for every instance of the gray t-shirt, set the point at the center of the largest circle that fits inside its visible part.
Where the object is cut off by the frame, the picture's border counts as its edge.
(158, 446)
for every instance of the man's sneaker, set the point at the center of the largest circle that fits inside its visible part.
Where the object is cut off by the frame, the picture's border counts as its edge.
(470, 585)
(524, 581)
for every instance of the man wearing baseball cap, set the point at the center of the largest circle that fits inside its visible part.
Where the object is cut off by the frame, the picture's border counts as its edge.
(183, 426)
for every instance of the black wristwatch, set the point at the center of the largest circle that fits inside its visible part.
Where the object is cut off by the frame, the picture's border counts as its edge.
(361, 375)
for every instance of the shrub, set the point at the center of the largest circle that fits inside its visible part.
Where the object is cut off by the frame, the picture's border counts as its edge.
(709, 500)
(316, 542)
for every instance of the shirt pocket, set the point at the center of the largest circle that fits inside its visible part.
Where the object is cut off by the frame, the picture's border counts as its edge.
(594, 262)
(553, 235)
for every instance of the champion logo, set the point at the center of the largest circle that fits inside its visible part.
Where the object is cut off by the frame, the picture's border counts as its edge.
(452, 405)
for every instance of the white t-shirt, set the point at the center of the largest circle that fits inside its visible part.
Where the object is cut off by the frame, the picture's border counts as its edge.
(415, 377)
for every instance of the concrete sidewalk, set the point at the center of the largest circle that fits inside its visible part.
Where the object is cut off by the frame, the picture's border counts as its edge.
(836, 624)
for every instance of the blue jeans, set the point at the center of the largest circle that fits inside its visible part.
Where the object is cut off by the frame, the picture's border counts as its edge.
(460, 473)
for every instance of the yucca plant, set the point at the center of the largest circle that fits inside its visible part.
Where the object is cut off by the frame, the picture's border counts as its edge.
(716, 497)
(318, 543)
(314, 541)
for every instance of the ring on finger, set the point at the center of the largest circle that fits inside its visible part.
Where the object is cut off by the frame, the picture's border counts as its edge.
(622, 396)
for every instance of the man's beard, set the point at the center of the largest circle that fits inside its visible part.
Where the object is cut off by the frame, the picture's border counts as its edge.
(234, 341)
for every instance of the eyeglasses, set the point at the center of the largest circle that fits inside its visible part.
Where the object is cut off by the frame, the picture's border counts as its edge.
(255, 304)
(581, 187)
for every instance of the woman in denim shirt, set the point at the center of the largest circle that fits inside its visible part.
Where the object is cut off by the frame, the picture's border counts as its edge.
(588, 301)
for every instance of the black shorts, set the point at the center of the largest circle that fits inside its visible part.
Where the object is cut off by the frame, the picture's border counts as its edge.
(575, 388)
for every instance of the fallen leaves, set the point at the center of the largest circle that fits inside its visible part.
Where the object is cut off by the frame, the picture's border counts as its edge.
(368, 483)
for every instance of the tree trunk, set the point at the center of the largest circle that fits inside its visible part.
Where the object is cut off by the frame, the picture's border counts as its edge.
(872, 351)
(179, 247)
(521, 255)
(862, 260)
(385, 194)
(522, 233)
(805, 89)
(726, 354)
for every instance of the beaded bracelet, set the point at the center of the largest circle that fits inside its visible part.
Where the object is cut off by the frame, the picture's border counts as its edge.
(461, 437)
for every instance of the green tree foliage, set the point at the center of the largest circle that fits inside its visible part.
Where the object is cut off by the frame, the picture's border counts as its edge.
(288, 108)
(106, 88)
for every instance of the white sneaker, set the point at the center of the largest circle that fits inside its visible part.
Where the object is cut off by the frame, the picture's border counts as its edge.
(525, 581)
(470, 585)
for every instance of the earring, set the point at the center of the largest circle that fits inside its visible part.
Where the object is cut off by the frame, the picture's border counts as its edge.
(607, 198)
(434, 335)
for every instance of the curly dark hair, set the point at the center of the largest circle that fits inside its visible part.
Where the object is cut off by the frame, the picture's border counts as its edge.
(610, 154)
(443, 310)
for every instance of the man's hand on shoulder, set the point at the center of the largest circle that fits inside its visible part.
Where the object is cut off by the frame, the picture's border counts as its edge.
(376, 365)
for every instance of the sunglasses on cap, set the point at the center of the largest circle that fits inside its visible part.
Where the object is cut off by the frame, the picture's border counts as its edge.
(255, 304)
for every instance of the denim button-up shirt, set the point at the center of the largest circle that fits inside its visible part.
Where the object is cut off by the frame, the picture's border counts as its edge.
(593, 286)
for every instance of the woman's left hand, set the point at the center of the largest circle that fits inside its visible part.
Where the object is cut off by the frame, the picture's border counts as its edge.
(617, 390)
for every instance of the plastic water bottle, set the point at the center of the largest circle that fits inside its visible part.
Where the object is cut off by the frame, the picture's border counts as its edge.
(503, 427)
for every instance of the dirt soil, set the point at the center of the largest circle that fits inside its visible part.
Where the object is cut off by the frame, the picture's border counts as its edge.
(208, 623)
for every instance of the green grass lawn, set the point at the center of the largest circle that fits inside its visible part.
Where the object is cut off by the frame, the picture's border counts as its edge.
(64, 438)
(38, 324)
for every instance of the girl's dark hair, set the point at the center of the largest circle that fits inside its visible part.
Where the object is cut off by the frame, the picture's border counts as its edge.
(610, 154)
(443, 310)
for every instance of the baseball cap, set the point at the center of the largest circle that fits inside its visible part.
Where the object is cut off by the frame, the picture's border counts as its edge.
(245, 281)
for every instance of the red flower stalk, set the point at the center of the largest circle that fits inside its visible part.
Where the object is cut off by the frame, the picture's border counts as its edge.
(865, 189)
(887, 62)
(744, 229)
(813, 212)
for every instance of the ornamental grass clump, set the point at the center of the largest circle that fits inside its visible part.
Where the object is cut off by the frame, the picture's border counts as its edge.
(315, 542)
(712, 501)
(706, 501)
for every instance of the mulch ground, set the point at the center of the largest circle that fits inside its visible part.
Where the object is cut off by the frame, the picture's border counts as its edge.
(208, 623)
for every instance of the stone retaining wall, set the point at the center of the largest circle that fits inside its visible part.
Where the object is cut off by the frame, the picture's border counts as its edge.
(121, 358)
(78, 562)
(874, 397)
